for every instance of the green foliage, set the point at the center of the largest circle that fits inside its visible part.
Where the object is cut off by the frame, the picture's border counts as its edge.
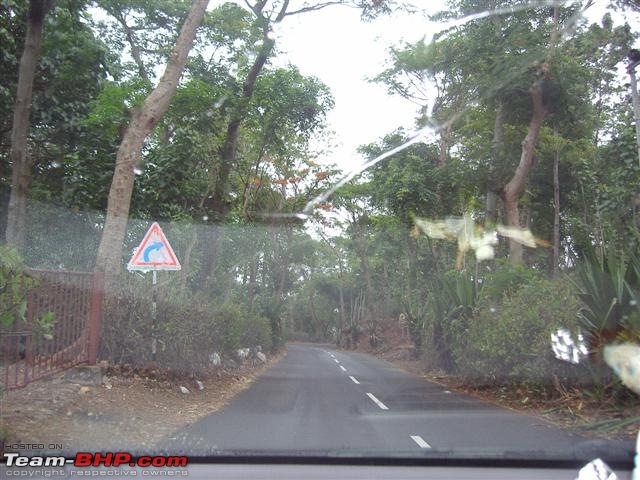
(451, 302)
(239, 328)
(415, 310)
(505, 279)
(410, 183)
(189, 328)
(509, 342)
(609, 290)
(272, 309)
(43, 326)
(73, 64)
(15, 284)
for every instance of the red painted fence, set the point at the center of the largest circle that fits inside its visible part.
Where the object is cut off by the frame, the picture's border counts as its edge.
(74, 299)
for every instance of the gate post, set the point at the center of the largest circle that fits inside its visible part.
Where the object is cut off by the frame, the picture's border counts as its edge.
(95, 314)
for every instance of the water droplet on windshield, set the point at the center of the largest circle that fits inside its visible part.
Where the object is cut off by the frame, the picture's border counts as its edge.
(220, 101)
(566, 349)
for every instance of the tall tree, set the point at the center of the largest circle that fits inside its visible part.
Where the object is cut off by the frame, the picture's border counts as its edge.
(143, 120)
(267, 17)
(21, 161)
(512, 191)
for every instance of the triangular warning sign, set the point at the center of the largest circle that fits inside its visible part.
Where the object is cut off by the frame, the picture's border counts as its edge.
(154, 252)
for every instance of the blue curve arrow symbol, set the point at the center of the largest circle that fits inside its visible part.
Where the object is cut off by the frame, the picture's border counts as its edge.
(149, 249)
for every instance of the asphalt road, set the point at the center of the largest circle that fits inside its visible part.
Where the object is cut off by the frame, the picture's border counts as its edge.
(321, 400)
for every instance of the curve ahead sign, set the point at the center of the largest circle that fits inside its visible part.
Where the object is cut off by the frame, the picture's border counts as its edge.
(154, 252)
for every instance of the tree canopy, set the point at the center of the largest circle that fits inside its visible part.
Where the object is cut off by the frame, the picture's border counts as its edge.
(526, 135)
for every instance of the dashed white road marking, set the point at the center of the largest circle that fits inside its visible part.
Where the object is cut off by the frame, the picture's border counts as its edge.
(377, 402)
(353, 379)
(342, 368)
(332, 355)
(336, 360)
(447, 391)
(420, 441)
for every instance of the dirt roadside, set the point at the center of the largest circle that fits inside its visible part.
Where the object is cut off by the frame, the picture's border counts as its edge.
(132, 408)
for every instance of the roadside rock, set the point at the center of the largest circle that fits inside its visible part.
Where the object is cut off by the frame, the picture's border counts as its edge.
(184, 390)
(242, 354)
(215, 359)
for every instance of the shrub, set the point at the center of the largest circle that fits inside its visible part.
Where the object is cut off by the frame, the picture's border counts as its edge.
(272, 309)
(229, 326)
(187, 333)
(506, 279)
(188, 328)
(14, 286)
(16, 283)
(510, 341)
(450, 305)
(609, 289)
(126, 324)
(257, 331)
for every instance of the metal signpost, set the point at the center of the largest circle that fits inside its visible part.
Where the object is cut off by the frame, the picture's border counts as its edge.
(154, 253)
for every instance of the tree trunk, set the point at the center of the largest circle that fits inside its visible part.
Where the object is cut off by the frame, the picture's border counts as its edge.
(229, 147)
(312, 310)
(636, 106)
(443, 146)
(387, 290)
(342, 321)
(556, 210)
(253, 270)
(361, 247)
(284, 262)
(20, 161)
(513, 190)
(491, 206)
(186, 263)
(210, 252)
(342, 314)
(131, 39)
(412, 265)
(143, 120)
(228, 150)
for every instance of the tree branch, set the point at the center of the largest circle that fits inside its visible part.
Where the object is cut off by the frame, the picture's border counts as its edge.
(319, 6)
(283, 11)
(135, 49)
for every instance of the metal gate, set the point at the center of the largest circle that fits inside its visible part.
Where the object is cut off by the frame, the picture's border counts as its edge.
(74, 299)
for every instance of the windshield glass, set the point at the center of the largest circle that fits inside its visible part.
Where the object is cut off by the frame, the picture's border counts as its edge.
(326, 228)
